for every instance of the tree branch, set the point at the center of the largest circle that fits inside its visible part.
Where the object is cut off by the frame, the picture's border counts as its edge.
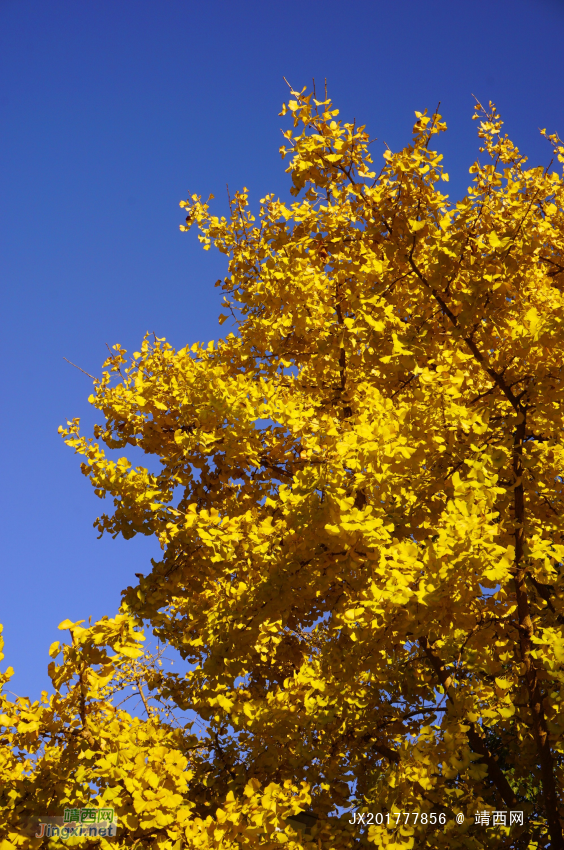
(495, 376)
(475, 740)
(540, 731)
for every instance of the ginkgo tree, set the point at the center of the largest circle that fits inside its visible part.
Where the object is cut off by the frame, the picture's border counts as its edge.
(358, 497)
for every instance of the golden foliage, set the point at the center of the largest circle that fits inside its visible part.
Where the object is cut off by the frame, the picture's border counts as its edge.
(359, 503)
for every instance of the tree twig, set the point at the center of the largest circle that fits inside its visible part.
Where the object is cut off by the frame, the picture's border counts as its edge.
(79, 369)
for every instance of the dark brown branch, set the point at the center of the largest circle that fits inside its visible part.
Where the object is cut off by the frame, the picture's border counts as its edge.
(347, 411)
(540, 731)
(545, 591)
(388, 753)
(277, 469)
(495, 376)
(475, 740)
(552, 263)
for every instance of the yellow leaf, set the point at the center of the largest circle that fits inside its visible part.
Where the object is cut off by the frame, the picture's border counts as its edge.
(496, 242)
(54, 649)
(68, 624)
(129, 651)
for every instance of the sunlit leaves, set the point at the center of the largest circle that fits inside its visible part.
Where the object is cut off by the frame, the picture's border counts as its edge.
(346, 503)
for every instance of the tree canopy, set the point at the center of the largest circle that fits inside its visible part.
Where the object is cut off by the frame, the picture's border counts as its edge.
(358, 497)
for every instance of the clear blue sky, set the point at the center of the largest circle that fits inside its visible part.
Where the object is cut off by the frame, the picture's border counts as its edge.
(114, 111)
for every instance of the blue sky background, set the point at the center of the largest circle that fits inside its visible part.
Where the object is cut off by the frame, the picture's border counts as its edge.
(114, 111)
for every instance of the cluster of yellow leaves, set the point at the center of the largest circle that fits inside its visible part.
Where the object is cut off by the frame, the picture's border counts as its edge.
(359, 501)
(78, 749)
